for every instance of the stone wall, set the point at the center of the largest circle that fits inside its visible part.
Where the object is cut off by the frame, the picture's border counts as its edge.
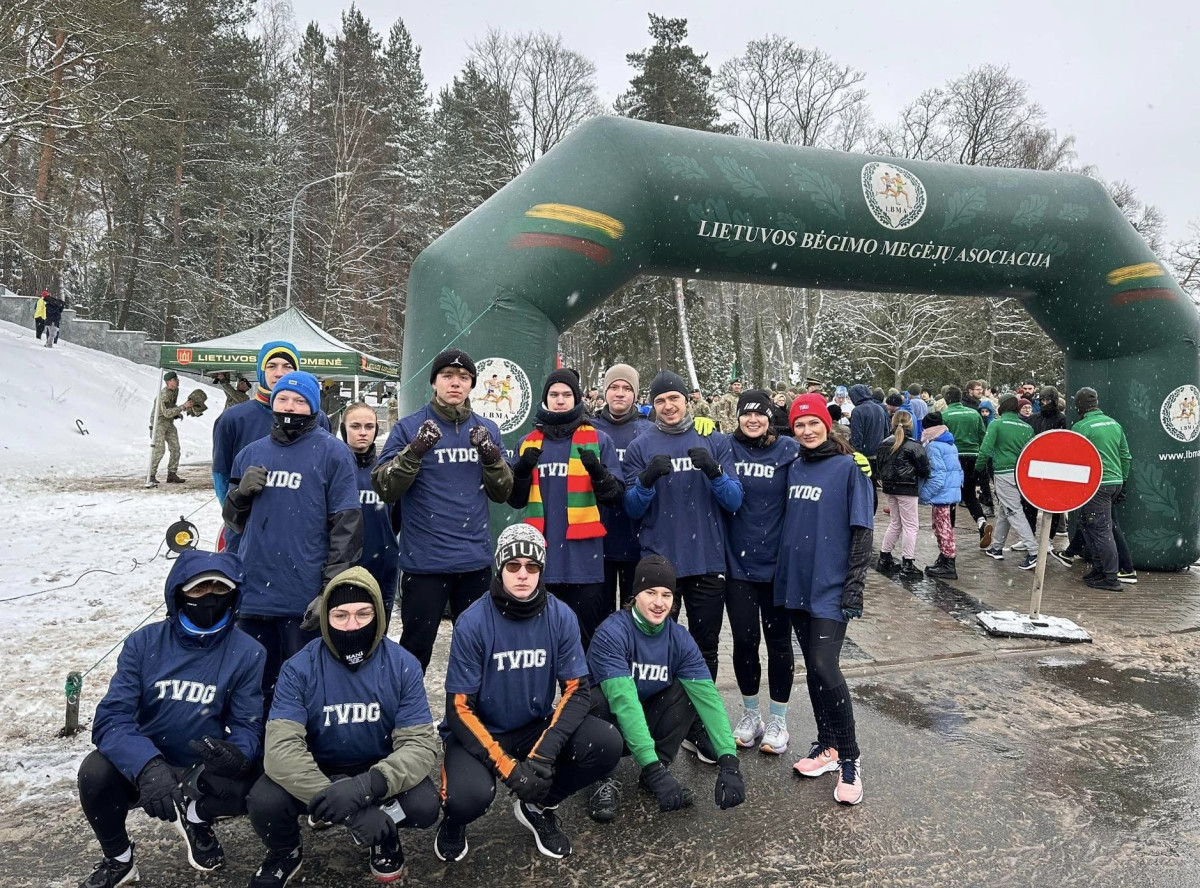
(130, 344)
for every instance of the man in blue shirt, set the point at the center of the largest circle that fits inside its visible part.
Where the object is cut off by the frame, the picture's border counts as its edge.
(185, 705)
(442, 464)
(294, 500)
(678, 483)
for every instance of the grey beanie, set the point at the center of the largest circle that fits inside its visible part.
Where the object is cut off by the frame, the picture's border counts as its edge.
(520, 540)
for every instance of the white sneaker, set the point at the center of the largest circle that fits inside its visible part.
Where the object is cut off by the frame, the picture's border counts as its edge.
(1018, 547)
(749, 730)
(775, 738)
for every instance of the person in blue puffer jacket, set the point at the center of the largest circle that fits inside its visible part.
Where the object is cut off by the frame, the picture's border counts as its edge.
(179, 732)
(942, 490)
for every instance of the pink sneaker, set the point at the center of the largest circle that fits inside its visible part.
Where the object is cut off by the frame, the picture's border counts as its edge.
(820, 760)
(849, 789)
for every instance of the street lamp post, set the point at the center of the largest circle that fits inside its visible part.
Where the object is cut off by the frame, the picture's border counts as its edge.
(292, 235)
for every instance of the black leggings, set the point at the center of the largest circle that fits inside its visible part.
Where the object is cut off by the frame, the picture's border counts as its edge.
(588, 602)
(282, 637)
(748, 603)
(106, 796)
(468, 785)
(617, 573)
(821, 643)
(423, 599)
(704, 597)
(669, 714)
(273, 811)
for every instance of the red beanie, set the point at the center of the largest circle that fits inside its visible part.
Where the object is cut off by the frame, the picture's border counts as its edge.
(812, 404)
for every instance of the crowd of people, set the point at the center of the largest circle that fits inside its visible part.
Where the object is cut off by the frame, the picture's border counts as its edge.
(273, 689)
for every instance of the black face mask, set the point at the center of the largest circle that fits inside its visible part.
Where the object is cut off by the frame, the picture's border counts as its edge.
(514, 608)
(290, 426)
(352, 646)
(206, 611)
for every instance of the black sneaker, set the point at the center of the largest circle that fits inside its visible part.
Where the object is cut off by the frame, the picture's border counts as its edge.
(1104, 583)
(605, 800)
(450, 843)
(277, 868)
(1062, 557)
(110, 872)
(698, 743)
(204, 852)
(387, 861)
(543, 823)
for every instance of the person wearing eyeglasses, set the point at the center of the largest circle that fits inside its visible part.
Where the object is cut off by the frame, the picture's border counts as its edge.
(179, 733)
(350, 739)
(513, 651)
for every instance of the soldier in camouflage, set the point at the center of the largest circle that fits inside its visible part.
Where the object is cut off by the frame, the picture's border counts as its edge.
(233, 395)
(165, 435)
(698, 405)
(724, 409)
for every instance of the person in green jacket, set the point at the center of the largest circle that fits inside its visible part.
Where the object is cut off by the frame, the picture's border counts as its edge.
(966, 425)
(1095, 518)
(653, 682)
(1005, 439)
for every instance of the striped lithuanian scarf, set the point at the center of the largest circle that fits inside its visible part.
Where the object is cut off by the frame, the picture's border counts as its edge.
(583, 517)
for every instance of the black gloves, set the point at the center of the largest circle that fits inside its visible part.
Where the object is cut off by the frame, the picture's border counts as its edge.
(659, 466)
(344, 798)
(221, 758)
(370, 826)
(592, 463)
(530, 780)
(489, 453)
(527, 463)
(427, 436)
(159, 790)
(731, 788)
(253, 480)
(703, 460)
(670, 793)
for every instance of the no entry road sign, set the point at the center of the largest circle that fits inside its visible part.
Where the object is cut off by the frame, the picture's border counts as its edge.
(1058, 471)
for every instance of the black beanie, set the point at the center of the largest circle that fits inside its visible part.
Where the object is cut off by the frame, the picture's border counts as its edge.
(348, 593)
(1086, 399)
(754, 401)
(933, 418)
(452, 357)
(652, 571)
(1009, 403)
(666, 381)
(567, 377)
(894, 401)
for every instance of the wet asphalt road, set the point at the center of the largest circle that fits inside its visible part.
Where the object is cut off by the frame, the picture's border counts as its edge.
(986, 762)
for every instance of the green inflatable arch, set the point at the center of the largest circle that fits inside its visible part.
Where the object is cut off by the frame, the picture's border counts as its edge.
(620, 197)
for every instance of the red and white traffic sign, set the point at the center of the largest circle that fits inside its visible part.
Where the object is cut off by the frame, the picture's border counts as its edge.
(1058, 471)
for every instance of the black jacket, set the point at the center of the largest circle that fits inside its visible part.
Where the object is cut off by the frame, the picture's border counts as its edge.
(900, 473)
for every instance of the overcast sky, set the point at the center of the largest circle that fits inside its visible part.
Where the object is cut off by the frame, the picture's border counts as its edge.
(1121, 77)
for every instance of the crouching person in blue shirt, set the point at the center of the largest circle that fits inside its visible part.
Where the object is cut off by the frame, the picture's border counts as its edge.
(511, 652)
(179, 732)
(649, 679)
(350, 739)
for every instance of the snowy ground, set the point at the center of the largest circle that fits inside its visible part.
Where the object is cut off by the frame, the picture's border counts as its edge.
(81, 560)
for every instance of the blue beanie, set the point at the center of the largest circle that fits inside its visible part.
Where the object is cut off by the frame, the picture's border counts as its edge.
(276, 349)
(301, 383)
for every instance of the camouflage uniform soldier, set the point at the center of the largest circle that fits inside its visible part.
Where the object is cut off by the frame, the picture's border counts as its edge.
(165, 435)
(233, 395)
(724, 409)
(698, 405)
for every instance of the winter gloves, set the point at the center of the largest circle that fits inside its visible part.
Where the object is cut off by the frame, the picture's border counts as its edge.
(489, 453)
(703, 460)
(426, 437)
(159, 791)
(221, 758)
(253, 480)
(658, 467)
(344, 798)
(730, 790)
(523, 469)
(608, 488)
(530, 780)
(670, 793)
(370, 826)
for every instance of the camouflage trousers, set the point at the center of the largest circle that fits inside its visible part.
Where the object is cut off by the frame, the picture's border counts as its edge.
(167, 437)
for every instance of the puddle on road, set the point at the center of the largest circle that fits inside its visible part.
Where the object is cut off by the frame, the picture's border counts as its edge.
(1103, 683)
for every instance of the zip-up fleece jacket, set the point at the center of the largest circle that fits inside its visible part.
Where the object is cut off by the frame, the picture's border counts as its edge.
(1106, 433)
(1006, 437)
(966, 425)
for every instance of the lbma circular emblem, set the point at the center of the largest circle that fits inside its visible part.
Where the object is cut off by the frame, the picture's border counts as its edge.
(502, 393)
(1179, 413)
(895, 196)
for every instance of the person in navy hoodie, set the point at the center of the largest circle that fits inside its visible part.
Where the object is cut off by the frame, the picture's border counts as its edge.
(622, 422)
(649, 680)
(380, 554)
(350, 739)
(252, 419)
(825, 547)
(563, 471)
(751, 551)
(294, 500)
(179, 732)
(443, 464)
(511, 653)
(677, 485)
